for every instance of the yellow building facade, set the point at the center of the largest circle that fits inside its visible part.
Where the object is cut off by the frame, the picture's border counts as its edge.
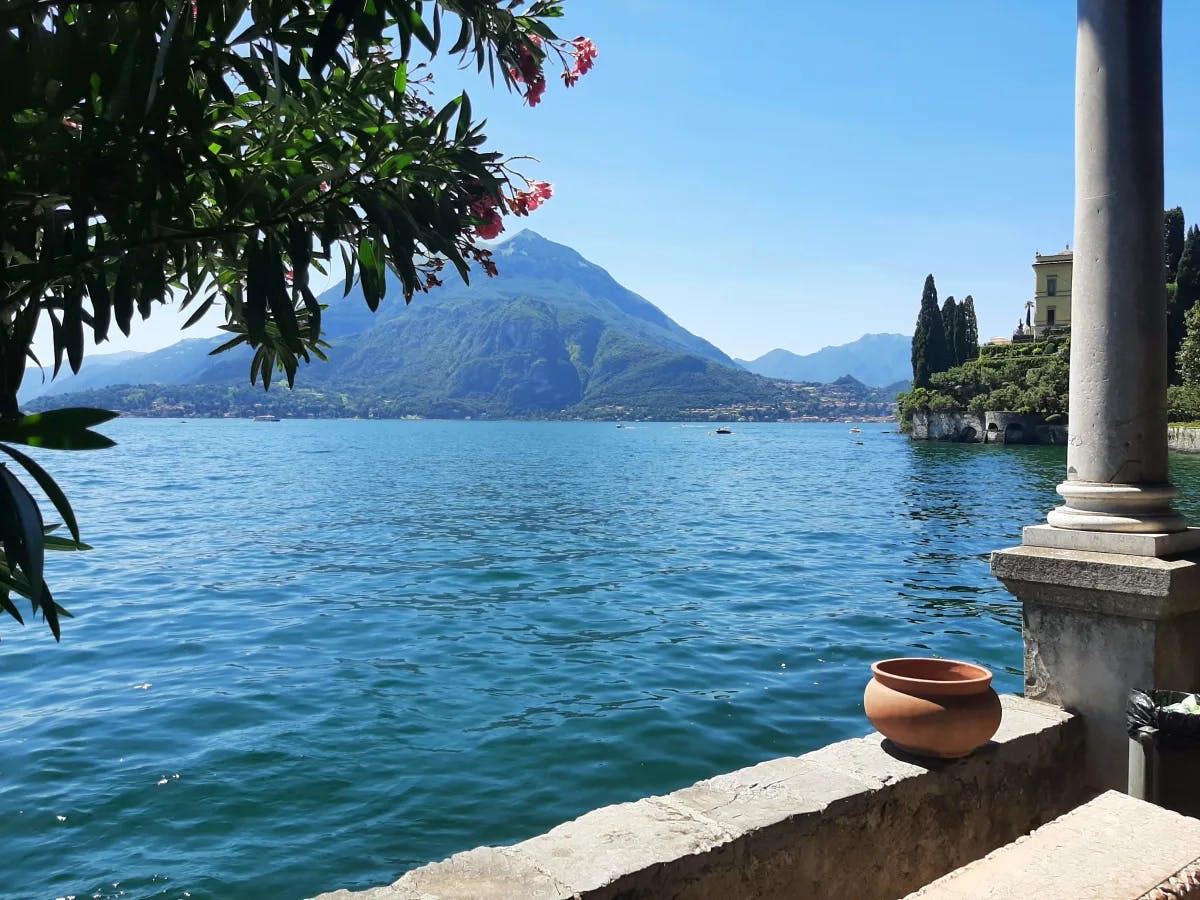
(1052, 291)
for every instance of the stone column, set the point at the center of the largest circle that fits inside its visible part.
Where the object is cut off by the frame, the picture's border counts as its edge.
(1117, 453)
(1110, 588)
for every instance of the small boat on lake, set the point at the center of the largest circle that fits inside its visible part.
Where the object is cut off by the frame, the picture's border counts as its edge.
(856, 430)
(724, 431)
(266, 418)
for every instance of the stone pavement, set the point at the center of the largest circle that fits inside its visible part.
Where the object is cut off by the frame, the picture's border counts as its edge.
(1113, 848)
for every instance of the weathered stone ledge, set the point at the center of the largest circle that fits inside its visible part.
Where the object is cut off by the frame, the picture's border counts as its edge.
(1183, 438)
(855, 818)
(987, 428)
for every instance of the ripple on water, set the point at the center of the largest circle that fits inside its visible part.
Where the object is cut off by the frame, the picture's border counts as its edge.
(465, 633)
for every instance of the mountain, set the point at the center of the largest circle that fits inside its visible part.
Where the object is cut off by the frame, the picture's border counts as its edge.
(181, 363)
(875, 359)
(553, 336)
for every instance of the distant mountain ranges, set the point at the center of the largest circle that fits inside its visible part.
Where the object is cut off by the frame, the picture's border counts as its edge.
(883, 360)
(554, 336)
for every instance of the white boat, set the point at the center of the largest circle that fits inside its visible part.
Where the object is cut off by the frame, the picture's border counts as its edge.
(266, 418)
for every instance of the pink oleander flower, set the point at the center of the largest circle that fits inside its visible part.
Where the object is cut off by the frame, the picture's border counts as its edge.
(585, 57)
(528, 71)
(525, 202)
(491, 226)
(485, 208)
(324, 186)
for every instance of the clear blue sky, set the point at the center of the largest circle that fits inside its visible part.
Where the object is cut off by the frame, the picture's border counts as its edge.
(785, 174)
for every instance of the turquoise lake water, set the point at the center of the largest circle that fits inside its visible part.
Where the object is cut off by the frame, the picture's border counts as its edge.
(311, 655)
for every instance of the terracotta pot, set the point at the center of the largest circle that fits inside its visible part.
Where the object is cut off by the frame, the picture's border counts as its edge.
(933, 707)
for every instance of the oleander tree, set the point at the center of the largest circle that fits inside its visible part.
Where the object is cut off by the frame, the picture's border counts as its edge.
(212, 154)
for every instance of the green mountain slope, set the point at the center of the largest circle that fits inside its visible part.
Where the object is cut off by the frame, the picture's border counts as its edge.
(553, 336)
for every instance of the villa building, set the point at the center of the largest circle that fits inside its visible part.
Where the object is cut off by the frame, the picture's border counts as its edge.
(1049, 312)
(1052, 292)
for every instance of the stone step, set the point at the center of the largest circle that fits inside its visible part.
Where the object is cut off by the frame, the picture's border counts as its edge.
(1112, 848)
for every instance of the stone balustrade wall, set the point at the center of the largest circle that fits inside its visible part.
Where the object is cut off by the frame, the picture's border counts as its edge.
(853, 819)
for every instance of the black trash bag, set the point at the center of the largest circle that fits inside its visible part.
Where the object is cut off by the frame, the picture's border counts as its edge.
(1175, 729)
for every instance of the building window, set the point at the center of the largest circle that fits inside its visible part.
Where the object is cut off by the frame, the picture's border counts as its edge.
(1050, 316)
(1052, 285)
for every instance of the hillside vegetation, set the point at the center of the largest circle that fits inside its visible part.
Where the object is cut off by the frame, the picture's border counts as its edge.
(1024, 378)
(844, 399)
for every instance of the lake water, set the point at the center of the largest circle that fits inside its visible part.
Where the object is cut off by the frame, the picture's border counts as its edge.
(311, 655)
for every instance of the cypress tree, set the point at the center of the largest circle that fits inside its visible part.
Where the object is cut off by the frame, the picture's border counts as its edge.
(1180, 303)
(929, 353)
(1173, 240)
(949, 325)
(1188, 274)
(966, 333)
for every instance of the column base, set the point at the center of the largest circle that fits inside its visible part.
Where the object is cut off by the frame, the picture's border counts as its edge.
(1121, 508)
(1160, 544)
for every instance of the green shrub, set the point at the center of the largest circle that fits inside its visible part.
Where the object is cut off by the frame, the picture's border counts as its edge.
(1183, 403)
(1025, 378)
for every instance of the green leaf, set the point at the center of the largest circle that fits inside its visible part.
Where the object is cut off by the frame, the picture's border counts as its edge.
(370, 262)
(101, 305)
(123, 298)
(200, 311)
(59, 429)
(464, 118)
(54, 542)
(447, 112)
(49, 487)
(22, 532)
(51, 611)
(7, 605)
(333, 29)
(258, 287)
(73, 325)
(228, 345)
(400, 82)
(464, 37)
(395, 164)
(417, 24)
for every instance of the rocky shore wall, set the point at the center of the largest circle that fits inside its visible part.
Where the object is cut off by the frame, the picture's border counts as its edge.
(989, 428)
(1184, 438)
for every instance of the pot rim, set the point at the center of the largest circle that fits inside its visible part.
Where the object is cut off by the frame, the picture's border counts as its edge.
(979, 682)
